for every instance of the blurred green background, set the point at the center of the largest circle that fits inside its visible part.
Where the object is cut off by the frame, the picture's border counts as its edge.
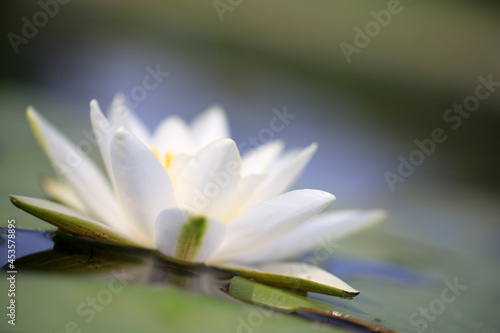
(443, 219)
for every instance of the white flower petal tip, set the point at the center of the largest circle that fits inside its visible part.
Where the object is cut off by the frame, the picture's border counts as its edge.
(120, 114)
(210, 125)
(121, 133)
(34, 119)
(103, 132)
(94, 104)
(97, 117)
(77, 169)
(186, 237)
(299, 277)
(73, 222)
(378, 216)
(214, 111)
(311, 149)
(260, 159)
(323, 229)
(276, 217)
(173, 136)
(365, 220)
(284, 172)
(119, 103)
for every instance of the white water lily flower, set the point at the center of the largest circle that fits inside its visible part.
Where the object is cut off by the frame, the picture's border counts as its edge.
(185, 191)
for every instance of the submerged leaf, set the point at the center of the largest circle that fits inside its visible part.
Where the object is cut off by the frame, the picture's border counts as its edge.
(251, 291)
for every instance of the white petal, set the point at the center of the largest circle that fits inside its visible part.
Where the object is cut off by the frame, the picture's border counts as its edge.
(284, 173)
(259, 225)
(173, 135)
(209, 126)
(142, 183)
(61, 192)
(176, 168)
(210, 179)
(260, 159)
(79, 170)
(186, 237)
(103, 132)
(316, 233)
(239, 201)
(121, 115)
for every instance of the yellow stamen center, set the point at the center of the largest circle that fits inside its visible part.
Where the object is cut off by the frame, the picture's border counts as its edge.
(165, 160)
(169, 157)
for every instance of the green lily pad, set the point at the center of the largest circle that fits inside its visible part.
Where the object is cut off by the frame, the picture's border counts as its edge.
(71, 221)
(286, 301)
(122, 306)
